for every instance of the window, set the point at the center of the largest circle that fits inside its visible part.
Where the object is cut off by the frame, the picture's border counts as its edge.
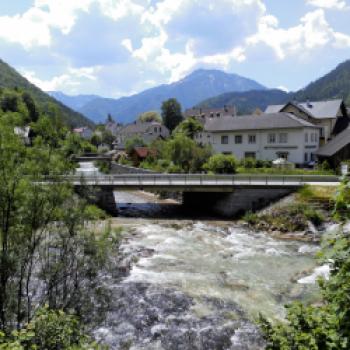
(312, 137)
(238, 139)
(306, 157)
(249, 155)
(271, 138)
(283, 155)
(307, 137)
(312, 157)
(227, 153)
(251, 138)
(224, 140)
(155, 129)
(283, 137)
(322, 132)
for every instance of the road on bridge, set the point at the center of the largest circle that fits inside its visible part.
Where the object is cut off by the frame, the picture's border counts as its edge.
(201, 182)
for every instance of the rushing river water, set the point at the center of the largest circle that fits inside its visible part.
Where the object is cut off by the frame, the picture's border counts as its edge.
(199, 284)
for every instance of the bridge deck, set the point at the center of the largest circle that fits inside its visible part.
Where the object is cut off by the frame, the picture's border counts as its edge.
(200, 182)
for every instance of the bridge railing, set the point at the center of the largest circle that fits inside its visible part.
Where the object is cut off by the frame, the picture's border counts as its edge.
(197, 179)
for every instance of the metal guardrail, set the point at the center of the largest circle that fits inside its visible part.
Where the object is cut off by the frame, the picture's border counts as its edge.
(195, 179)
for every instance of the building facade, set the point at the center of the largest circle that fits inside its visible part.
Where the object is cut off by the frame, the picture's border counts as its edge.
(263, 137)
(331, 116)
(147, 131)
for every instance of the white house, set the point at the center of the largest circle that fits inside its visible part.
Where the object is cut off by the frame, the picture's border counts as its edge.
(264, 137)
(84, 132)
(330, 115)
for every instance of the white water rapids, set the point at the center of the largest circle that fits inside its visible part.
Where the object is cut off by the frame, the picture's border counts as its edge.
(200, 284)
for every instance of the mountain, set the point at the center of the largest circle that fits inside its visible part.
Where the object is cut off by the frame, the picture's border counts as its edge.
(10, 78)
(335, 84)
(247, 102)
(73, 102)
(197, 86)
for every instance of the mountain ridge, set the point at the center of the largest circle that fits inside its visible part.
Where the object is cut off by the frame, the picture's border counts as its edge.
(193, 88)
(11, 79)
(335, 84)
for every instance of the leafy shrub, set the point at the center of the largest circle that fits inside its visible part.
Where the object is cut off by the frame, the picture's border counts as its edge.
(314, 216)
(49, 330)
(221, 164)
(104, 166)
(318, 327)
(249, 163)
(251, 218)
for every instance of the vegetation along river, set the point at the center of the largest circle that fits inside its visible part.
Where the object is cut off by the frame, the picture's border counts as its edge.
(199, 284)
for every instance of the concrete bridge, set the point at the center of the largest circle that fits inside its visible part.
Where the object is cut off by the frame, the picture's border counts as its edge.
(223, 194)
(200, 182)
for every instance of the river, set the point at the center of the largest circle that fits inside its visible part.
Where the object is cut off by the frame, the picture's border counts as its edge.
(199, 283)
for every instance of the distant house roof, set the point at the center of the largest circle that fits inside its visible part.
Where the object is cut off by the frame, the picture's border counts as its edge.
(336, 144)
(81, 129)
(195, 112)
(139, 127)
(257, 122)
(316, 109)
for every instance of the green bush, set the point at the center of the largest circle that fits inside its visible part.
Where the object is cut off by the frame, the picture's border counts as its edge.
(104, 166)
(326, 326)
(314, 216)
(251, 218)
(221, 164)
(49, 330)
(249, 163)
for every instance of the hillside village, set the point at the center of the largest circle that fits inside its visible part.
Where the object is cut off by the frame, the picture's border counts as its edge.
(301, 133)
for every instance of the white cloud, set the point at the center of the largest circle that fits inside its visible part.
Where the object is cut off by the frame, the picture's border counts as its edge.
(138, 43)
(34, 27)
(69, 81)
(328, 4)
(127, 44)
(283, 88)
(313, 32)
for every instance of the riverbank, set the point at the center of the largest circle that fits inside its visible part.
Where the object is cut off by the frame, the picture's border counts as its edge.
(304, 215)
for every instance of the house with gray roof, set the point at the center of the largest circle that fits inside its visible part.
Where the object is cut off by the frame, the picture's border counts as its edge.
(147, 131)
(264, 137)
(203, 114)
(336, 150)
(331, 115)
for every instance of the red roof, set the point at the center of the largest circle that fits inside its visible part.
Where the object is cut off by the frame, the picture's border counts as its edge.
(143, 152)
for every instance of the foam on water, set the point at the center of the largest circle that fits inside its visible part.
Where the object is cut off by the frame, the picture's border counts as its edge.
(253, 270)
(320, 271)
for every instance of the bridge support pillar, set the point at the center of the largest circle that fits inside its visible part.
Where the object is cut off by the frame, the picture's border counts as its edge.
(233, 203)
(102, 196)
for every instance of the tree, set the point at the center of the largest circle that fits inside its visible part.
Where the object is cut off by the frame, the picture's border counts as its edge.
(33, 112)
(107, 137)
(171, 113)
(221, 164)
(131, 143)
(110, 118)
(185, 154)
(189, 127)
(9, 102)
(151, 116)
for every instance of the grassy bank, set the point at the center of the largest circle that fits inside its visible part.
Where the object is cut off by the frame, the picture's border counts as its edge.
(309, 205)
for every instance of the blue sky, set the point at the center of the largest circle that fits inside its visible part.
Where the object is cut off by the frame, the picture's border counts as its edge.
(119, 47)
